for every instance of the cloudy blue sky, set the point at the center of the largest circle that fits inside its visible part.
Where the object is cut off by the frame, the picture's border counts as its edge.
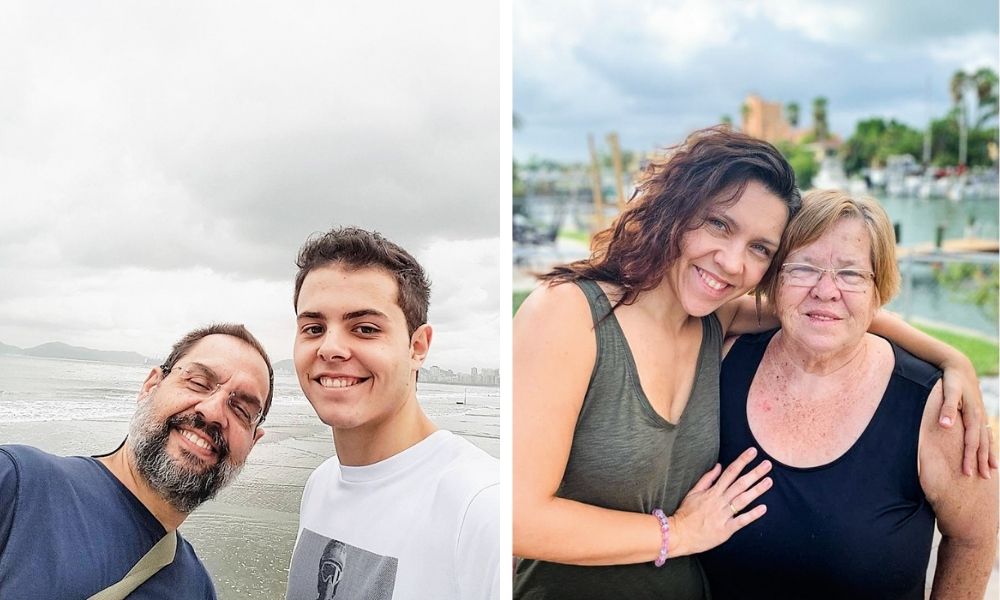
(653, 70)
(161, 163)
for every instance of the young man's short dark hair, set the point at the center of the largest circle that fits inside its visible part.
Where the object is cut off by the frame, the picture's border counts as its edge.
(358, 248)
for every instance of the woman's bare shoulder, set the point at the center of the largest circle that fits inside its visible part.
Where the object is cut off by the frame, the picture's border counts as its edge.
(548, 300)
(554, 328)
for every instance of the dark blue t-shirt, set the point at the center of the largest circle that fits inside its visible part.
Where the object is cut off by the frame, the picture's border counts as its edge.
(69, 528)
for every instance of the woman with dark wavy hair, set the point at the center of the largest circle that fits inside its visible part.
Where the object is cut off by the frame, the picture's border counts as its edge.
(616, 379)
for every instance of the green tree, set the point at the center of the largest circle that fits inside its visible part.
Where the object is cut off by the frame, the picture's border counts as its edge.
(959, 85)
(861, 148)
(974, 96)
(945, 137)
(874, 140)
(727, 121)
(803, 162)
(792, 110)
(820, 124)
(986, 96)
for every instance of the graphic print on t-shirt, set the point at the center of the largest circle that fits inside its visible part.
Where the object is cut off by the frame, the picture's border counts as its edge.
(324, 568)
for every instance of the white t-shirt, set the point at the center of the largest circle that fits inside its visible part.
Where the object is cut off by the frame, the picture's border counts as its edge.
(421, 524)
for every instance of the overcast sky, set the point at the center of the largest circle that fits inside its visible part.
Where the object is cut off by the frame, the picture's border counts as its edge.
(653, 70)
(162, 162)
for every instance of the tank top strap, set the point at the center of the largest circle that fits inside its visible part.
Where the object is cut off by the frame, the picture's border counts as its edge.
(600, 306)
(744, 357)
(740, 366)
(607, 331)
(711, 328)
(896, 422)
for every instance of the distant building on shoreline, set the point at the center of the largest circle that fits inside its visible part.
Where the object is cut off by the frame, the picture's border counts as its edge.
(767, 121)
(477, 376)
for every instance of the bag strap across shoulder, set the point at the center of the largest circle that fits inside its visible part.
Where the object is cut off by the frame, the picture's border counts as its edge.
(159, 556)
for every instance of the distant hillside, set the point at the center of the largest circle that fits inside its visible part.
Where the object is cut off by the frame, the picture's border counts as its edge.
(61, 350)
(285, 365)
(5, 349)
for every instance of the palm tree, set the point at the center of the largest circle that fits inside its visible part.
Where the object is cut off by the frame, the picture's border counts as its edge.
(745, 113)
(792, 109)
(960, 82)
(985, 80)
(820, 124)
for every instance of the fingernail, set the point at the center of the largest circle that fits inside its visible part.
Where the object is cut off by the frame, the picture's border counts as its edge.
(752, 451)
(946, 421)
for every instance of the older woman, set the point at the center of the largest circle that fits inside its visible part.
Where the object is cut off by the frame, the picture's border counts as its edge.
(847, 420)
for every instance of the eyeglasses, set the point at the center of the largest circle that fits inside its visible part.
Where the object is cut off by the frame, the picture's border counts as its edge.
(248, 410)
(846, 280)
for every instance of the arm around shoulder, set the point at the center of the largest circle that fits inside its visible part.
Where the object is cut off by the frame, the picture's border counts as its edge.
(961, 388)
(966, 509)
(743, 315)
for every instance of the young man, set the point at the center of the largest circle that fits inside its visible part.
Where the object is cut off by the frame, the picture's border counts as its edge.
(71, 527)
(409, 510)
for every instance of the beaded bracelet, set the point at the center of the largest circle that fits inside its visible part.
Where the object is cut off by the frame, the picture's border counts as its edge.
(665, 532)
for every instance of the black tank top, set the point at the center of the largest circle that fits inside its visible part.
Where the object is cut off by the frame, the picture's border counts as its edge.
(858, 527)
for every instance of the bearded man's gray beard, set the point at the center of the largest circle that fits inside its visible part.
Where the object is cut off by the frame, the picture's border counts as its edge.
(181, 486)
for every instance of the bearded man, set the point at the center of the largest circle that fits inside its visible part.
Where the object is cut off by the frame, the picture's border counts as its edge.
(77, 527)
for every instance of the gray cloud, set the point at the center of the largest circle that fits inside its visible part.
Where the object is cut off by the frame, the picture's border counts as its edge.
(660, 70)
(162, 163)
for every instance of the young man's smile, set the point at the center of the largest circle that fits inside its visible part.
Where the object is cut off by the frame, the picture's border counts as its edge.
(352, 350)
(339, 381)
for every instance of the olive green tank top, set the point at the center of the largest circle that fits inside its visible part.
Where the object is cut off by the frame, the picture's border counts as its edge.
(627, 457)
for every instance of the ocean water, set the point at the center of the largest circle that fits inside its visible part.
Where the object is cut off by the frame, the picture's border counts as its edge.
(41, 389)
(244, 536)
(36, 389)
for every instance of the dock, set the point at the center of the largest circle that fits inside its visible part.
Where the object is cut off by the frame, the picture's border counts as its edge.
(961, 249)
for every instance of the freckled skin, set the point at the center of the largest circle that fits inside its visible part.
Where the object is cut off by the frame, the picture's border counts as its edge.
(820, 381)
(810, 419)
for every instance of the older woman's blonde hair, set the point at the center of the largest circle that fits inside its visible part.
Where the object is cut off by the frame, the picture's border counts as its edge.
(821, 209)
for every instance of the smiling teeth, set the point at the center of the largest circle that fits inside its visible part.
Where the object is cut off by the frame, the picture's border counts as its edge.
(197, 441)
(711, 282)
(338, 382)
